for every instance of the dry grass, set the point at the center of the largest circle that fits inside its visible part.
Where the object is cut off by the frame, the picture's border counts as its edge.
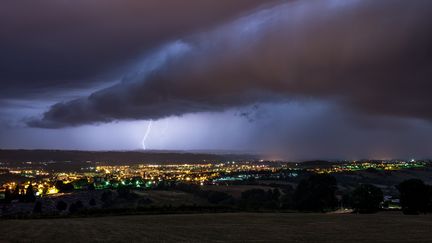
(233, 227)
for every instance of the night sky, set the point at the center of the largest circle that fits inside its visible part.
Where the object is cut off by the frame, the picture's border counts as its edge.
(295, 79)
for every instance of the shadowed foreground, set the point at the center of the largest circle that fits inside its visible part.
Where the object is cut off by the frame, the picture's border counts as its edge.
(240, 227)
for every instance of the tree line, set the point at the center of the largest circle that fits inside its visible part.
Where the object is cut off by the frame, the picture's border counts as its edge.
(317, 193)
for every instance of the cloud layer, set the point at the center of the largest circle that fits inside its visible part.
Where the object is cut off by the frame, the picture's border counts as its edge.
(52, 45)
(367, 56)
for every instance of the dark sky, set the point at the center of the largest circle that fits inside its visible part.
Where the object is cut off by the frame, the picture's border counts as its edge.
(298, 79)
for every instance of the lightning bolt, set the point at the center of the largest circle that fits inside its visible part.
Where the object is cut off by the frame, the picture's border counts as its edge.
(149, 126)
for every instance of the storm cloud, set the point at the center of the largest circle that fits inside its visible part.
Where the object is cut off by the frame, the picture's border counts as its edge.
(369, 56)
(51, 46)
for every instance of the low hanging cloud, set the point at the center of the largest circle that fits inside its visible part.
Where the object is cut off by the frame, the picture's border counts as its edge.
(367, 56)
(51, 46)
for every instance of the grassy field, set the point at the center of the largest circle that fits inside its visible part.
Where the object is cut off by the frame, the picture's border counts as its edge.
(235, 190)
(230, 227)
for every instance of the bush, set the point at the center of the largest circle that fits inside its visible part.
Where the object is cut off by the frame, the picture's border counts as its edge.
(92, 202)
(61, 205)
(286, 200)
(107, 197)
(126, 193)
(38, 207)
(144, 201)
(76, 206)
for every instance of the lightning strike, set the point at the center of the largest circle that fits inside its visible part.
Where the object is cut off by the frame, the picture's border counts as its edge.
(149, 126)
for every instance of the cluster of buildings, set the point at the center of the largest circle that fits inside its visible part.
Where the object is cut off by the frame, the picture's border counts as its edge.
(113, 176)
(368, 165)
(100, 176)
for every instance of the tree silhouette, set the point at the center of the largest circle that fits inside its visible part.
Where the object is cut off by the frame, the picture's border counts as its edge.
(30, 194)
(367, 198)
(414, 196)
(63, 187)
(258, 198)
(16, 193)
(317, 193)
(287, 201)
(8, 195)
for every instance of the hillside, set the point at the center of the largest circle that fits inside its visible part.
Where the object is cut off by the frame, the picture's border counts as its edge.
(114, 156)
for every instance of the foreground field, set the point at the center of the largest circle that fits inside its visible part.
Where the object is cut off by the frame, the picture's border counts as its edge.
(232, 227)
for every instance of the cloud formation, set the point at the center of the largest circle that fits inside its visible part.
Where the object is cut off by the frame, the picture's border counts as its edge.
(52, 45)
(368, 56)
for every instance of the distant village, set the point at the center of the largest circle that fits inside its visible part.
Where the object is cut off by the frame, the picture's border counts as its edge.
(28, 187)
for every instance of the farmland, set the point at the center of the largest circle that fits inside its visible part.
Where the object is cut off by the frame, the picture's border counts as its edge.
(232, 227)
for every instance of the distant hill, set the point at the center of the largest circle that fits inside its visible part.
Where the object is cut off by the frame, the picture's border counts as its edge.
(116, 156)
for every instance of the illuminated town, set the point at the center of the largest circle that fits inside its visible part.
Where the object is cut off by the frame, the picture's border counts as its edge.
(146, 176)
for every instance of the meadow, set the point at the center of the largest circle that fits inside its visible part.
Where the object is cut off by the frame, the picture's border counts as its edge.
(224, 227)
